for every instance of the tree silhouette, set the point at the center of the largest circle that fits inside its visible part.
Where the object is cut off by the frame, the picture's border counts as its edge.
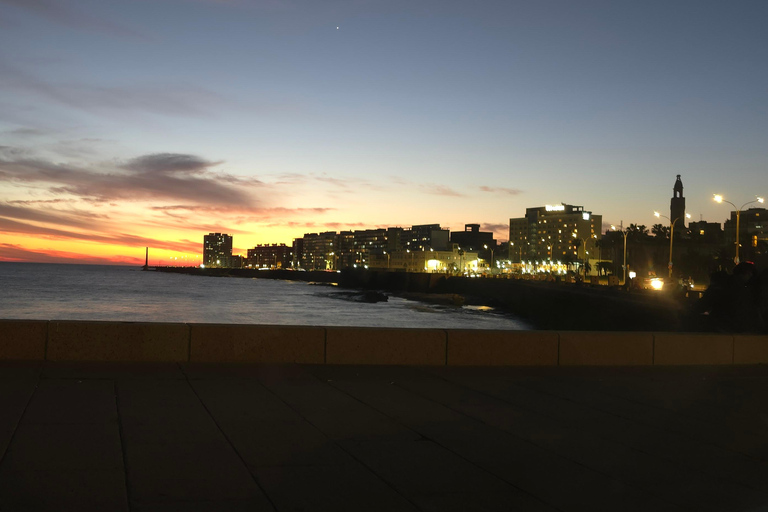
(637, 232)
(660, 231)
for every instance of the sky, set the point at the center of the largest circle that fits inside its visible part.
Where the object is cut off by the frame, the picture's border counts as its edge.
(150, 123)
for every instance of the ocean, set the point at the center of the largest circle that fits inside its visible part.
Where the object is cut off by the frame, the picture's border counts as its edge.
(97, 292)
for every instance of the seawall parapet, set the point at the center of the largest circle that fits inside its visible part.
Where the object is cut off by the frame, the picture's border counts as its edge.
(545, 305)
(55, 340)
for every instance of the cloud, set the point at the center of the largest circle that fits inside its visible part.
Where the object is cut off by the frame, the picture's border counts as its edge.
(184, 100)
(161, 176)
(496, 228)
(25, 132)
(256, 214)
(500, 230)
(510, 191)
(321, 226)
(440, 190)
(12, 252)
(169, 163)
(72, 218)
(60, 12)
(12, 226)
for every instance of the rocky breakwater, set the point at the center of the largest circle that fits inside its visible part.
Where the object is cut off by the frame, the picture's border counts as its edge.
(546, 305)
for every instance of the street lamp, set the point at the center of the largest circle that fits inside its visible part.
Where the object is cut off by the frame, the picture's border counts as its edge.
(624, 280)
(671, 234)
(485, 246)
(719, 199)
(584, 245)
(519, 252)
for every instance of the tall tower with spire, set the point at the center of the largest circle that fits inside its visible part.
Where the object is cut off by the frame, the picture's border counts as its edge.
(677, 205)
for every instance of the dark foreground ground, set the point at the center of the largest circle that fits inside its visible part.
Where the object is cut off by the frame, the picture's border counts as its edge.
(361, 438)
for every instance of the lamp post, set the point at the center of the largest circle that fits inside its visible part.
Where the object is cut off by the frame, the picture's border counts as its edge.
(385, 252)
(485, 246)
(671, 234)
(519, 252)
(624, 278)
(719, 199)
(584, 245)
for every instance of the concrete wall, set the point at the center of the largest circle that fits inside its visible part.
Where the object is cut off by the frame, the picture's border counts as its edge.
(173, 342)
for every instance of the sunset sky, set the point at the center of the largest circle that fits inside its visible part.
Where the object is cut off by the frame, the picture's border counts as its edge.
(126, 124)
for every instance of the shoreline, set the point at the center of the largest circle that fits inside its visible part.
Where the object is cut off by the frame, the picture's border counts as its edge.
(542, 305)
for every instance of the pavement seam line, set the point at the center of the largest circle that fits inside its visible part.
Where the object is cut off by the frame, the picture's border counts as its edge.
(229, 441)
(122, 446)
(527, 441)
(47, 339)
(21, 417)
(340, 447)
(471, 463)
(602, 389)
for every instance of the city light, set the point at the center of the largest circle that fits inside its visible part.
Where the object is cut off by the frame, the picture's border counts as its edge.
(719, 199)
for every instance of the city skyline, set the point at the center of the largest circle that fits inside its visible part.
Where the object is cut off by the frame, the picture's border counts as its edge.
(126, 125)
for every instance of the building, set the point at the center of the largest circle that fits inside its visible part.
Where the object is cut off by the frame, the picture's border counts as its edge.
(706, 232)
(270, 256)
(318, 251)
(347, 249)
(451, 261)
(427, 236)
(561, 232)
(217, 249)
(298, 253)
(472, 239)
(368, 243)
(753, 232)
(677, 205)
(234, 261)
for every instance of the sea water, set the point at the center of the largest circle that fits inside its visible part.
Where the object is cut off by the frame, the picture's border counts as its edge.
(97, 292)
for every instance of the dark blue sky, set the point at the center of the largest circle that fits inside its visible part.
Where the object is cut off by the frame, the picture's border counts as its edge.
(408, 112)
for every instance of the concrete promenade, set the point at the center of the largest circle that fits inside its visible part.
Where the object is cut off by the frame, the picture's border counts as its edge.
(188, 436)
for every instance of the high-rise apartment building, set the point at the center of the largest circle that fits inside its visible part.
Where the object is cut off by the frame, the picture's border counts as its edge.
(270, 256)
(553, 233)
(348, 249)
(424, 237)
(753, 232)
(217, 249)
(319, 251)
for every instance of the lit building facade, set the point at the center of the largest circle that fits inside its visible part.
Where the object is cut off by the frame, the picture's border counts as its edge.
(427, 236)
(347, 249)
(217, 249)
(753, 232)
(451, 261)
(554, 233)
(318, 251)
(270, 256)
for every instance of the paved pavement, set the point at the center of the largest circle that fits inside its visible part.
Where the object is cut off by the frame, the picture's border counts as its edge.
(192, 437)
